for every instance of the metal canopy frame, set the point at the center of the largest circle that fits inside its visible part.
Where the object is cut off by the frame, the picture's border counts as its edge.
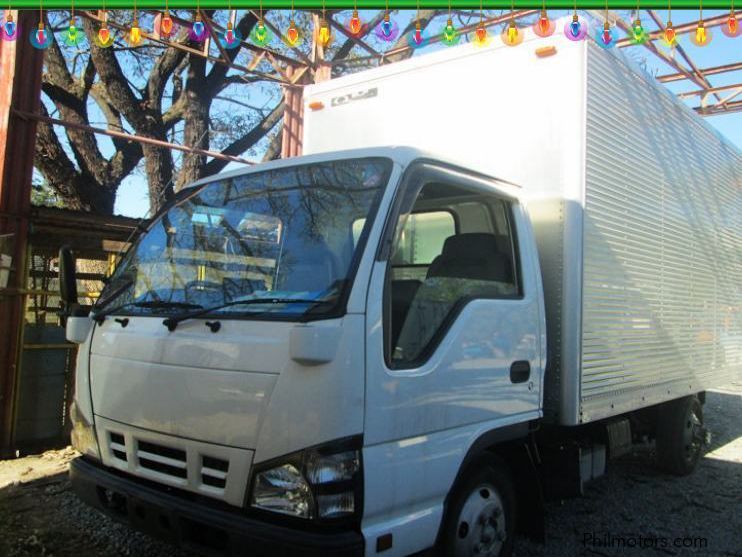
(713, 100)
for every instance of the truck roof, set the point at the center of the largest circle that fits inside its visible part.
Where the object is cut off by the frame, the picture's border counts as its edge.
(401, 155)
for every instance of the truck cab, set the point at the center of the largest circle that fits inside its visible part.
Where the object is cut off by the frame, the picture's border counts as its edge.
(317, 355)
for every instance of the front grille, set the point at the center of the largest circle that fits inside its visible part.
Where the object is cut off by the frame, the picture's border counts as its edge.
(118, 446)
(214, 472)
(161, 459)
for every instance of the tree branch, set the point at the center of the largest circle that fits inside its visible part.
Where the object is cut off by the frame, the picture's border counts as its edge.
(239, 146)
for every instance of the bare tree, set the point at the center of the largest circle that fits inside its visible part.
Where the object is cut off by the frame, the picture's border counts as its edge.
(155, 92)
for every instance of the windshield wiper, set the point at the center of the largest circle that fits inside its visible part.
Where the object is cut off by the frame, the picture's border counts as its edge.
(172, 322)
(151, 304)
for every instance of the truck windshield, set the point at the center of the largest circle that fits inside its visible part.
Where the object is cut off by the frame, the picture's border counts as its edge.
(280, 234)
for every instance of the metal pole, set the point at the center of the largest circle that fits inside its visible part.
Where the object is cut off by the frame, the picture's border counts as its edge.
(17, 146)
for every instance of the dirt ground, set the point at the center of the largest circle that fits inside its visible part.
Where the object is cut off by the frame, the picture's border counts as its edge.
(633, 510)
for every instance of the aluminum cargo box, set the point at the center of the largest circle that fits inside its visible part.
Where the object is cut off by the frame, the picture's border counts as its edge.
(636, 203)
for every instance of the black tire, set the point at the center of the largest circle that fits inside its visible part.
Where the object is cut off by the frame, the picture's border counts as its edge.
(680, 435)
(487, 486)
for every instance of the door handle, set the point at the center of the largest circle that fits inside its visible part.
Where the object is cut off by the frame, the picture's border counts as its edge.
(520, 371)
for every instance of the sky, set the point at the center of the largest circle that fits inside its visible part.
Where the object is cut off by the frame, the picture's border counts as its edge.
(132, 196)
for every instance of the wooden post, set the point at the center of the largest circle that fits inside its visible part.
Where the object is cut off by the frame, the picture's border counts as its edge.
(20, 88)
(293, 116)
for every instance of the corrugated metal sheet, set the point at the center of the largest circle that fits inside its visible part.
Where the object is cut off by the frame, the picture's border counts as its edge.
(662, 252)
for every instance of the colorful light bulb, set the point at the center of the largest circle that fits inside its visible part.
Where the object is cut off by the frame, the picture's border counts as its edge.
(104, 35)
(324, 35)
(135, 34)
(72, 32)
(292, 34)
(260, 34)
(41, 33)
(511, 36)
(418, 35)
(606, 35)
(166, 24)
(480, 35)
(10, 26)
(669, 34)
(386, 26)
(575, 30)
(637, 31)
(387, 30)
(229, 33)
(732, 24)
(355, 25)
(701, 33)
(544, 27)
(198, 28)
(575, 26)
(702, 36)
(449, 35)
(543, 22)
(732, 28)
(73, 36)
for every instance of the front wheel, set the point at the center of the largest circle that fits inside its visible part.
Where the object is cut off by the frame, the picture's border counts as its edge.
(480, 519)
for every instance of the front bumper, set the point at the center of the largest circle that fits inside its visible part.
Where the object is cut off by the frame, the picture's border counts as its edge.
(199, 526)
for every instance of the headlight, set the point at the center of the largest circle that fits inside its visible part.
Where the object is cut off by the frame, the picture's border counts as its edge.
(83, 434)
(323, 483)
(283, 490)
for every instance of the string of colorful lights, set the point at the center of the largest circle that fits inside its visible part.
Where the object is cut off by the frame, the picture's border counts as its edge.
(575, 30)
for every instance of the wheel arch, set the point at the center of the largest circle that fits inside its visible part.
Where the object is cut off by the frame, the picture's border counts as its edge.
(515, 449)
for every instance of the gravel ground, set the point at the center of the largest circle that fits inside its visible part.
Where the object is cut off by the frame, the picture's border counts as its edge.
(633, 505)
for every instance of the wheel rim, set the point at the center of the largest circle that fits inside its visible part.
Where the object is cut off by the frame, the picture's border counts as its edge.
(481, 528)
(693, 435)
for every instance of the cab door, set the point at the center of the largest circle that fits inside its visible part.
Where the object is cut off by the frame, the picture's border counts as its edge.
(457, 339)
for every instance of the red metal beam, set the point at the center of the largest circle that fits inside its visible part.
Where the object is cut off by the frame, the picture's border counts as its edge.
(736, 66)
(17, 148)
(131, 137)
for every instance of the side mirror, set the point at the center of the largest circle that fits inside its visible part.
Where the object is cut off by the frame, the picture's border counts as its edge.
(69, 306)
(67, 277)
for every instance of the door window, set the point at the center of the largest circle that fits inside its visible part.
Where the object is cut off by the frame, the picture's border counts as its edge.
(436, 267)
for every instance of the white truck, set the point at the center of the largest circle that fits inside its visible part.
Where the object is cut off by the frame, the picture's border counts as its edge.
(375, 350)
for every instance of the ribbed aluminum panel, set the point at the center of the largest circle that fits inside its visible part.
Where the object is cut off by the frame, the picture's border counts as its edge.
(662, 246)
